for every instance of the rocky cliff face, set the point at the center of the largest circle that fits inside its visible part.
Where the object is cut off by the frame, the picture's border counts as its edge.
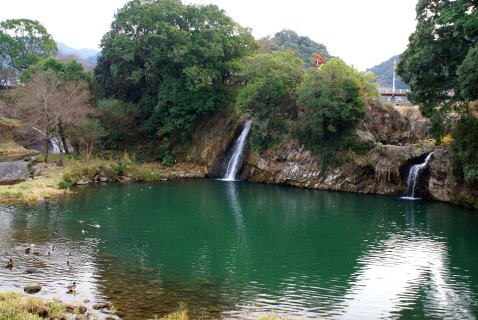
(380, 171)
(444, 186)
(211, 140)
(383, 170)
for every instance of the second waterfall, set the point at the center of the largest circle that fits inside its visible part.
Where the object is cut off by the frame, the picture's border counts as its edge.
(235, 162)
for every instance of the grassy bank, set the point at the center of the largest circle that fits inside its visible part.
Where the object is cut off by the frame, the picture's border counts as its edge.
(16, 306)
(52, 181)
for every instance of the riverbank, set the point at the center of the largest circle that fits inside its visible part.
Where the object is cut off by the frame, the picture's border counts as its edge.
(51, 181)
(17, 306)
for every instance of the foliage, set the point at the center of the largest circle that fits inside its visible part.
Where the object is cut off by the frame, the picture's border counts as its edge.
(439, 62)
(384, 74)
(23, 43)
(269, 94)
(468, 75)
(332, 104)
(174, 61)
(465, 149)
(120, 121)
(303, 46)
(15, 306)
(113, 169)
(65, 71)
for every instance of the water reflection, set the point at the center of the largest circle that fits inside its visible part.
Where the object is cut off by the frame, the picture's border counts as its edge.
(395, 270)
(237, 250)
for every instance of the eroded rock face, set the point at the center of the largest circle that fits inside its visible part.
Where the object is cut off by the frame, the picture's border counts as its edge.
(14, 171)
(378, 172)
(444, 186)
(210, 141)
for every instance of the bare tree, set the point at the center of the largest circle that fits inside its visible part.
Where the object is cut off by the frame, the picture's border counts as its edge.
(49, 104)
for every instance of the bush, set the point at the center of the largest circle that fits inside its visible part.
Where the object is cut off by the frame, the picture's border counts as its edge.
(64, 184)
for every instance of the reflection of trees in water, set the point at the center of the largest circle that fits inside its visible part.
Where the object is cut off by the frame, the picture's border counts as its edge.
(232, 246)
(403, 268)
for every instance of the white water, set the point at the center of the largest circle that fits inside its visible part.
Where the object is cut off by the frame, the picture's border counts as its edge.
(235, 162)
(54, 142)
(412, 178)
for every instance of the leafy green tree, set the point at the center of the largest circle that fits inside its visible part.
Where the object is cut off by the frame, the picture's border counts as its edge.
(303, 46)
(173, 60)
(446, 33)
(269, 94)
(332, 105)
(465, 149)
(24, 42)
(468, 75)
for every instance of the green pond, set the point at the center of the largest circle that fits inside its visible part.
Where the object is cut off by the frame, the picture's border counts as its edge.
(231, 250)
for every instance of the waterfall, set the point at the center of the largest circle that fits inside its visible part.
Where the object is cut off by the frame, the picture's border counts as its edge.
(55, 143)
(413, 175)
(235, 162)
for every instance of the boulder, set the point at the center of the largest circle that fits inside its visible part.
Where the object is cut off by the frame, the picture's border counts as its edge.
(32, 288)
(14, 171)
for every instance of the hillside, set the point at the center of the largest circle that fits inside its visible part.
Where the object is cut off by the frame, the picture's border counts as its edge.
(303, 46)
(86, 56)
(384, 73)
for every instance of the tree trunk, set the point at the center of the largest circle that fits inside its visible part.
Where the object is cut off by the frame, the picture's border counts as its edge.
(62, 137)
(47, 147)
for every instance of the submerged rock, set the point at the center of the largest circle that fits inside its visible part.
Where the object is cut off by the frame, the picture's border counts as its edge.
(32, 288)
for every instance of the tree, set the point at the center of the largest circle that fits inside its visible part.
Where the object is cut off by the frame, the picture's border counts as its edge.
(332, 104)
(23, 42)
(37, 102)
(446, 34)
(440, 65)
(73, 84)
(304, 47)
(53, 102)
(173, 61)
(269, 94)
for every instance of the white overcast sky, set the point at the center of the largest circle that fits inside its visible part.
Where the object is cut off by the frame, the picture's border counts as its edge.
(361, 32)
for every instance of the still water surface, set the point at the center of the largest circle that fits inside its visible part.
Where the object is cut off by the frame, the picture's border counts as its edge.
(234, 250)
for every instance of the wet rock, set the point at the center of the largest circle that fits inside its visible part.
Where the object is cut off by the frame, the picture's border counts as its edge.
(31, 270)
(32, 288)
(83, 181)
(101, 305)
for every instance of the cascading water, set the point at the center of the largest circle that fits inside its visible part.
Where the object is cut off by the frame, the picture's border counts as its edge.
(235, 162)
(413, 175)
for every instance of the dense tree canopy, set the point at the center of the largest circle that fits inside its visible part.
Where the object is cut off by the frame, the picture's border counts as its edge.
(445, 39)
(173, 60)
(332, 104)
(303, 46)
(269, 94)
(24, 42)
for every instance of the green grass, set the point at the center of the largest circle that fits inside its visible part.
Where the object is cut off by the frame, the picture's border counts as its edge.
(16, 306)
